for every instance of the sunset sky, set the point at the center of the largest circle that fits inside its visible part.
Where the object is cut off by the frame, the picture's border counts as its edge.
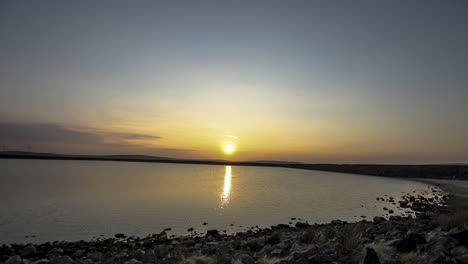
(311, 81)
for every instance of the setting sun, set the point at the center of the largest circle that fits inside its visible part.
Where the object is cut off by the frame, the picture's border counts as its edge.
(228, 148)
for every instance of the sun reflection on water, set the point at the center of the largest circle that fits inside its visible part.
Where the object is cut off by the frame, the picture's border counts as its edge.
(227, 187)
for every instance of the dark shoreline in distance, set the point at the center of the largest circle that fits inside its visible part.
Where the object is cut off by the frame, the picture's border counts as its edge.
(448, 172)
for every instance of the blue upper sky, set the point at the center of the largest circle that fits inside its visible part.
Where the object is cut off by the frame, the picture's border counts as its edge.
(333, 81)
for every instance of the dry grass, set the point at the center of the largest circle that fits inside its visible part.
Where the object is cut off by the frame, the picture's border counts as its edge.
(274, 239)
(199, 260)
(415, 258)
(310, 235)
(447, 222)
(329, 233)
(408, 225)
(270, 260)
(349, 239)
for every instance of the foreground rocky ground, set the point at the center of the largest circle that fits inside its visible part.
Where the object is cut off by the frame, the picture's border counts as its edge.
(436, 235)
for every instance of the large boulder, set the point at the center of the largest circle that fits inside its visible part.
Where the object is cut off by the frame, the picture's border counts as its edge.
(410, 242)
(243, 259)
(371, 257)
(14, 260)
(61, 260)
(28, 251)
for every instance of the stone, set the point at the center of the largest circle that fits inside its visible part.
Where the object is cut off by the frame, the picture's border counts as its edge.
(56, 251)
(302, 261)
(243, 259)
(61, 260)
(162, 237)
(42, 261)
(462, 259)
(306, 253)
(133, 261)
(440, 245)
(95, 256)
(462, 237)
(394, 218)
(457, 251)
(378, 219)
(190, 229)
(212, 232)
(172, 260)
(371, 257)
(14, 260)
(302, 225)
(119, 235)
(78, 253)
(28, 251)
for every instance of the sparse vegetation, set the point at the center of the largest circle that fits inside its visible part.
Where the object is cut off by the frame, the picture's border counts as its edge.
(310, 235)
(349, 239)
(408, 225)
(274, 239)
(415, 258)
(447, 222)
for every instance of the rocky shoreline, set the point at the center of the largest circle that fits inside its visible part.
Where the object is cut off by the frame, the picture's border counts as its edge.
(436, 234)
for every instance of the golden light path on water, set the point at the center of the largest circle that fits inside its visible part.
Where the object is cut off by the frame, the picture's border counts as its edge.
(227, 186)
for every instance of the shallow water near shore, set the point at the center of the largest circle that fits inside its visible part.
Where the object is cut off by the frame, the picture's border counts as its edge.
(47, 200)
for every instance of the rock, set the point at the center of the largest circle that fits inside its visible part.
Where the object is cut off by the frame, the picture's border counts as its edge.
(321, 259)
(212, 232)
(306, 254)
(371, 257)
(378, 219)
(161, 250)
(162, 237)
(440, 245)
(61, 260)
(78, 253)
(14, 260)
(394, 218)
(95, 256)
(149, 256)
(266, 251)
(172, 260)
(205, 223)
(28, 251)
(190, 229)
(243, 259)
(391, 211)
(42, 261)
(302, 225)
(119, 235)
(462, 237)
(458, 251)
(56, 251)
(410, 242)
(302, 261)
(284, 244)
(462, 259)
(133, 261)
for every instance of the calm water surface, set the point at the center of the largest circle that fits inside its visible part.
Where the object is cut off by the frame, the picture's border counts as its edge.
(44, 200)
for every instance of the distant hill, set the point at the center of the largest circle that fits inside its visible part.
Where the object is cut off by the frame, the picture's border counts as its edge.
(438, 171)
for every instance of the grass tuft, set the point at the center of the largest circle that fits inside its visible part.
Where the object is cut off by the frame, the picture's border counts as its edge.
(447, 222)
(349, 239)
(415, 258)
(310, 235)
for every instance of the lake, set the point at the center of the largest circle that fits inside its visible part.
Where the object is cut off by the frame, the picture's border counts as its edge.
(47, 200)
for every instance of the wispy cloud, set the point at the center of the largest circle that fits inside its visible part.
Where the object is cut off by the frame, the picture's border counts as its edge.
(55, 133)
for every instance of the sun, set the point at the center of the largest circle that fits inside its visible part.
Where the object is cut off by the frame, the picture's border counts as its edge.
(228, 148)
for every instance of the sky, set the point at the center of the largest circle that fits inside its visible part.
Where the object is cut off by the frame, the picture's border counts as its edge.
(310, 81)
